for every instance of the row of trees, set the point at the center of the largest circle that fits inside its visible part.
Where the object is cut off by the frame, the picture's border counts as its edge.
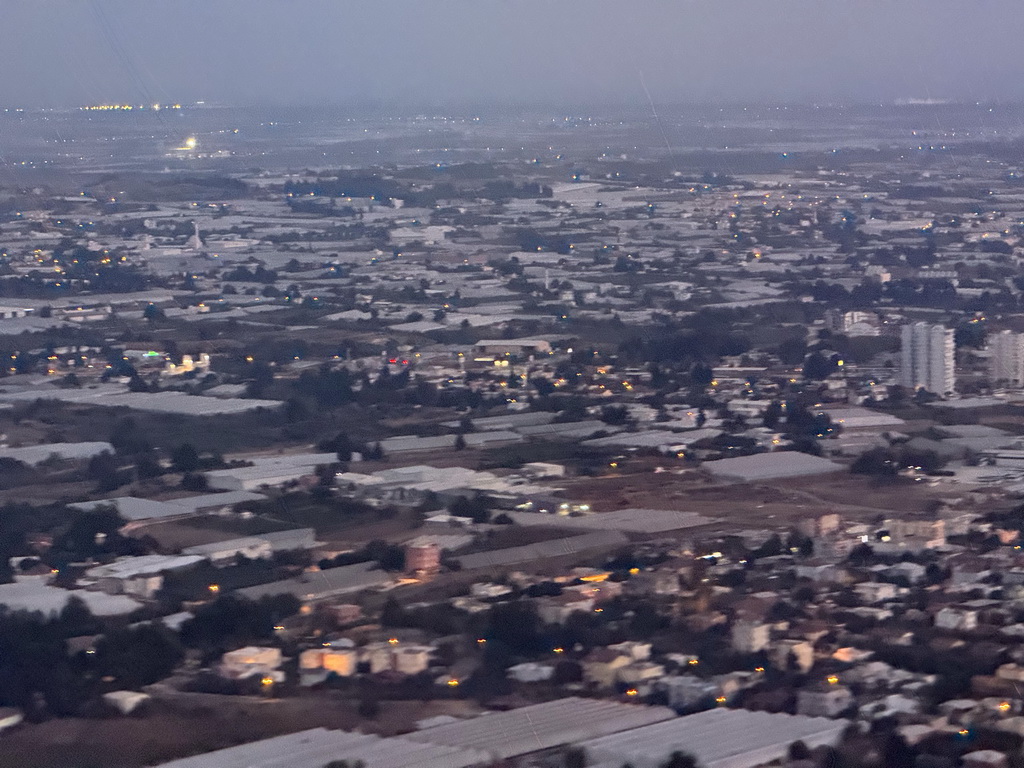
(42, 678)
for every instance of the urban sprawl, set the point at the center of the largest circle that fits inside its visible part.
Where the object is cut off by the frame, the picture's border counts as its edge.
(467, 441)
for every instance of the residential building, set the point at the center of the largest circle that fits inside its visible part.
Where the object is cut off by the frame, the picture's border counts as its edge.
(531, 672)
(602, 665)
(251, 660)
(916, 533)
(956, 618)
(340, 661)
(393, 657)
(687, 690)
(824, 702)
(928, 358)
(798, 653)
(1006, 358)
(750, 636)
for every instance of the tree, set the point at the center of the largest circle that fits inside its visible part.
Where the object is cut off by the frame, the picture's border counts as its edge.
(574, 757)
(875, 461)
(185, 458)
(460, 442)
(102, 466)
(614, 415)
(195, 482)
(147, 467)
(770, 548)
(567, 671)
(139, 656)
(799, 751)
(368, 708)
(153, 313)
(861, 555)
(897, 753)
(232, 621)
(390, 557)
(792, 351)
(343, 448)
(970, 333)
(701, 375)
(76, 619)
(392, 614)
(679, 759)
(818, 367)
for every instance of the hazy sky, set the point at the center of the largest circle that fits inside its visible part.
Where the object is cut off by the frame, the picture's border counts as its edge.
(71, 52)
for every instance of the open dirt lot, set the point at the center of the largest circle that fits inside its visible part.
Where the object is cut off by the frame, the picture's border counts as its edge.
(741, 506)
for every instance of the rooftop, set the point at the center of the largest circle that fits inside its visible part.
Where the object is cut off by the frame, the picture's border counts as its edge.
(718, 738)
(542, 726)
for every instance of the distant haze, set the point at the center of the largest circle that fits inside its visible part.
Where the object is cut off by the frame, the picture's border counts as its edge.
(545, 52)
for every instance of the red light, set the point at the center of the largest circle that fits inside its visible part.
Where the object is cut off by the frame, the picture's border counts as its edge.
(393, 360)
(405, 362)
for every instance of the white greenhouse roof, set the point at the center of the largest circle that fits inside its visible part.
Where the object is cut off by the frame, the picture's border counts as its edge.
(318, 746)
(718, 738)
(37, 596)
(542, 726)
(36, 454)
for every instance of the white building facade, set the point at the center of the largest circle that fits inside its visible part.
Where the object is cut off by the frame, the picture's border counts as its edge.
(1006, 358)
(928, 358)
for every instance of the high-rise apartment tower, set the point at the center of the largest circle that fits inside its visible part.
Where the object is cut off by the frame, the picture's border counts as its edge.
(928, 358)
